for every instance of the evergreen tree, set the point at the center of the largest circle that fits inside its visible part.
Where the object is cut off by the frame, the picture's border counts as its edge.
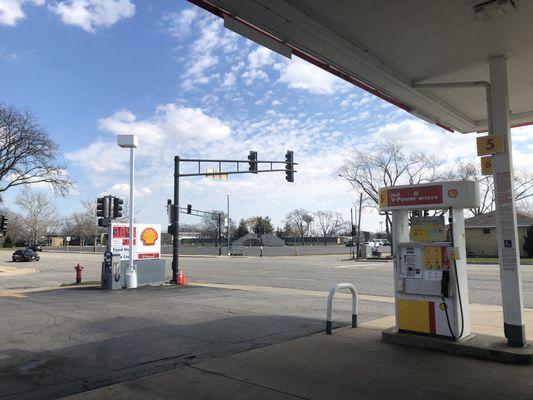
(8, 242)
(528, 242)
(261, 225)
(241, 230)
(287, 230)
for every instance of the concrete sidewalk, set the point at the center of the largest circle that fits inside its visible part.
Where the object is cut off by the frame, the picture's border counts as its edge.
(351, 363)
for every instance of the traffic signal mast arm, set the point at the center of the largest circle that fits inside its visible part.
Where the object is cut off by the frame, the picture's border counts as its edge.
(198, 213)
(238, 170)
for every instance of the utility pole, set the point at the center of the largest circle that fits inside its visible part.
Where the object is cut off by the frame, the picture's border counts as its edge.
(261, 239)
(359, 224)
(352, 256)
(219, 236)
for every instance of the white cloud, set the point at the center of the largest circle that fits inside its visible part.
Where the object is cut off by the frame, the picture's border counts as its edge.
(419, 136)
(11, 10)
(257, 59)
(178, 24)
(299, 74)
(123, 189)
(522, 134)
(92, 14)
(229, 79)
(170, 124)
(260, 57)
(91, 160)
(12, 57)
(202, 53)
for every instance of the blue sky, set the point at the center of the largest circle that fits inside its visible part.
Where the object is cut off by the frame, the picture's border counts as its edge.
(170, 73)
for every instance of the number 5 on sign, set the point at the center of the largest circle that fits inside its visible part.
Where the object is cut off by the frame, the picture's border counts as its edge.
(486, 165)
(487, 145)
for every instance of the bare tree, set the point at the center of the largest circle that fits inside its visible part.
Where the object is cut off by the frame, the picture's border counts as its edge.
(523, 184)
(38, 214)
(84, 223)
(329, 223)
(525, 207)
(388, 165)
(209, 225)
(27, 154)
(297, 220)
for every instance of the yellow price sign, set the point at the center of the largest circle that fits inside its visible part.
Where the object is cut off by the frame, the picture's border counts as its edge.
(486, 165)
(383, 198)
(487, 145)
(212, 173)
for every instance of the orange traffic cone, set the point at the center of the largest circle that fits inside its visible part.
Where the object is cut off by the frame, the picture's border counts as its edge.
(181, 279)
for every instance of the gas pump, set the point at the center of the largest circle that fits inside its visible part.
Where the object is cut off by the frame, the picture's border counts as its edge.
(430, 277)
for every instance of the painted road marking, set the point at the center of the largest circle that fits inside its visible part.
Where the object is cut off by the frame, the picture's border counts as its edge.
(291, 291)
(11, 271)
(361, 266)
(476, 307)
(9, 293)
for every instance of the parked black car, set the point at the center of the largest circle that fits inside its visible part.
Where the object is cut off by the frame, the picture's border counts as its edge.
(35, 247)
(25, 255)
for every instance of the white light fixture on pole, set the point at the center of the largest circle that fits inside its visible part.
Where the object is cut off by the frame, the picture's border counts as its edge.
(130, 142)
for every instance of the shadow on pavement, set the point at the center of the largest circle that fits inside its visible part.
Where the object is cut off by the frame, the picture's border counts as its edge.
(66, 341)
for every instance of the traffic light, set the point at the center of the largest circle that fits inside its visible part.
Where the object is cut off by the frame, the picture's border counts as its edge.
(102, 207)
(117, 207)
(3, 224)
(289, 167)
(189, 209)
(253, 162)
(353, 230)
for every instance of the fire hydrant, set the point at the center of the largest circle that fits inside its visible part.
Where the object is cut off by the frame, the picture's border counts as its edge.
(78, 268)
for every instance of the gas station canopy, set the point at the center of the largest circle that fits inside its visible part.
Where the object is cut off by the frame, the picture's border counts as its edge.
(388, 47)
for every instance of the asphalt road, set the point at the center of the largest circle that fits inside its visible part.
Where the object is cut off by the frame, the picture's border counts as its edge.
(318, 249)
(58, 342)
(304, 272)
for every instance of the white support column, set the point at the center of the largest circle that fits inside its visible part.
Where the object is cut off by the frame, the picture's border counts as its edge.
(400, 234)
(508, 248)
(462, 307)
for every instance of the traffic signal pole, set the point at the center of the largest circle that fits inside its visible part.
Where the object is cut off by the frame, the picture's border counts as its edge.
(253, 164)
(175, 222)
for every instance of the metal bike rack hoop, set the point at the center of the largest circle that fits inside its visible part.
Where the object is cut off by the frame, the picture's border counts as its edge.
(355, 305)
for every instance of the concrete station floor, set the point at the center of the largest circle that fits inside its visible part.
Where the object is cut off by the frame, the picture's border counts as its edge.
(351, 363)
(60, 341)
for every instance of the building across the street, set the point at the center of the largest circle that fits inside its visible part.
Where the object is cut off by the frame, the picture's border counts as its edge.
(480, 234)
(253, 239)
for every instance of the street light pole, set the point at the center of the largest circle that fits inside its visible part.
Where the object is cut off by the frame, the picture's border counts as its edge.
(227, 224)
(132, 207)
(130, 142)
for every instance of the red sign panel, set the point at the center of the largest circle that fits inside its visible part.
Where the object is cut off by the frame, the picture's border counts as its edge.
(422, 195)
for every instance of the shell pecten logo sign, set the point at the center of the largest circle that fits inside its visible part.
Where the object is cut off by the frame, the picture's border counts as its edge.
(149, 236)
